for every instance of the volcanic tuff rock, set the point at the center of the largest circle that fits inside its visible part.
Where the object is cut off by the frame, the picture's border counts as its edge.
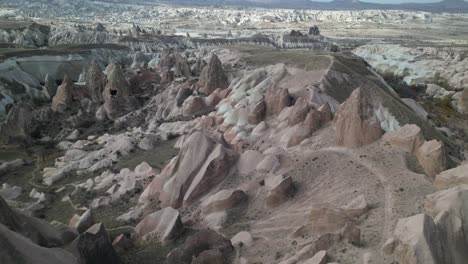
(182, 67)
(356, 122)
(212, 77)
(51, 85)
(116, 94)
(198, 243)
(17, 125)
(201, 164)
(94, 247)
(36, 230)
(29, 253)
(63, 97)
(162, 225)
(432, 157)
(452, 177)
(95, 81)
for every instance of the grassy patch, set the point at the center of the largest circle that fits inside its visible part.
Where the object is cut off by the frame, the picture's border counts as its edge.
(307, 60)
(402, 88)
(151, 252)
(156, 158)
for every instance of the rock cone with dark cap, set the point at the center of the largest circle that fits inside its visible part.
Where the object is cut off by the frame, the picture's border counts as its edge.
(95, 80)
(213, 76)
(356, 123)
(63, 97)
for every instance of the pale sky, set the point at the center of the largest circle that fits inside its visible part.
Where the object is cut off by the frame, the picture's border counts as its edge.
(393, 1)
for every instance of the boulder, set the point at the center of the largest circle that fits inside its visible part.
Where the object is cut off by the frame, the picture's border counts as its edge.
(319, 258)
(297, 134)
(63, 98)
(357, 207)
(95, 81)
(248, 161)
(452, 177)
(196, 244)
(356, 122)
(299, 112)
(435, 91)
(408, 137)
(452, 236)
(194, 105)
(183, 93)
(83, 222)
(242, 238)
(280, 189)
(200, 164)
(212, 77)
(213, 172)
(94, 247)
(276, 100)
(122, 243)
(315, 119)
(163, 225)
(211, 256)
(326, 113)
(257, 112)
(19, 249)
(8, 192)
(223, 200)
(416, 241)
(269, 163)
(432, 157)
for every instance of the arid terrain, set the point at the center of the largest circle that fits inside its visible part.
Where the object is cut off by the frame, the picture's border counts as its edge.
(136, 132)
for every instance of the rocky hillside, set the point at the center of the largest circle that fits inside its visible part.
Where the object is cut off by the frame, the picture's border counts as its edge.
(244, 154)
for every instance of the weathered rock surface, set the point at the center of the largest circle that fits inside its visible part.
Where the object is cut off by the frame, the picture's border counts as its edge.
(83, 222)
(281, 188)
(451, 178)
(409, 138)
(94, 247)
(36, 230)
(50, 85)
(417, 241)
(276, 101)
(198, 243)
(201, 164)
(356, 123)
(212, 76)
(162, 225)
(17, 126)
(63, 97)
(95, 81)
(116, 95)
(18, 249)
(299, 112)
(432, 157)
(223, 200)
(182, 67)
